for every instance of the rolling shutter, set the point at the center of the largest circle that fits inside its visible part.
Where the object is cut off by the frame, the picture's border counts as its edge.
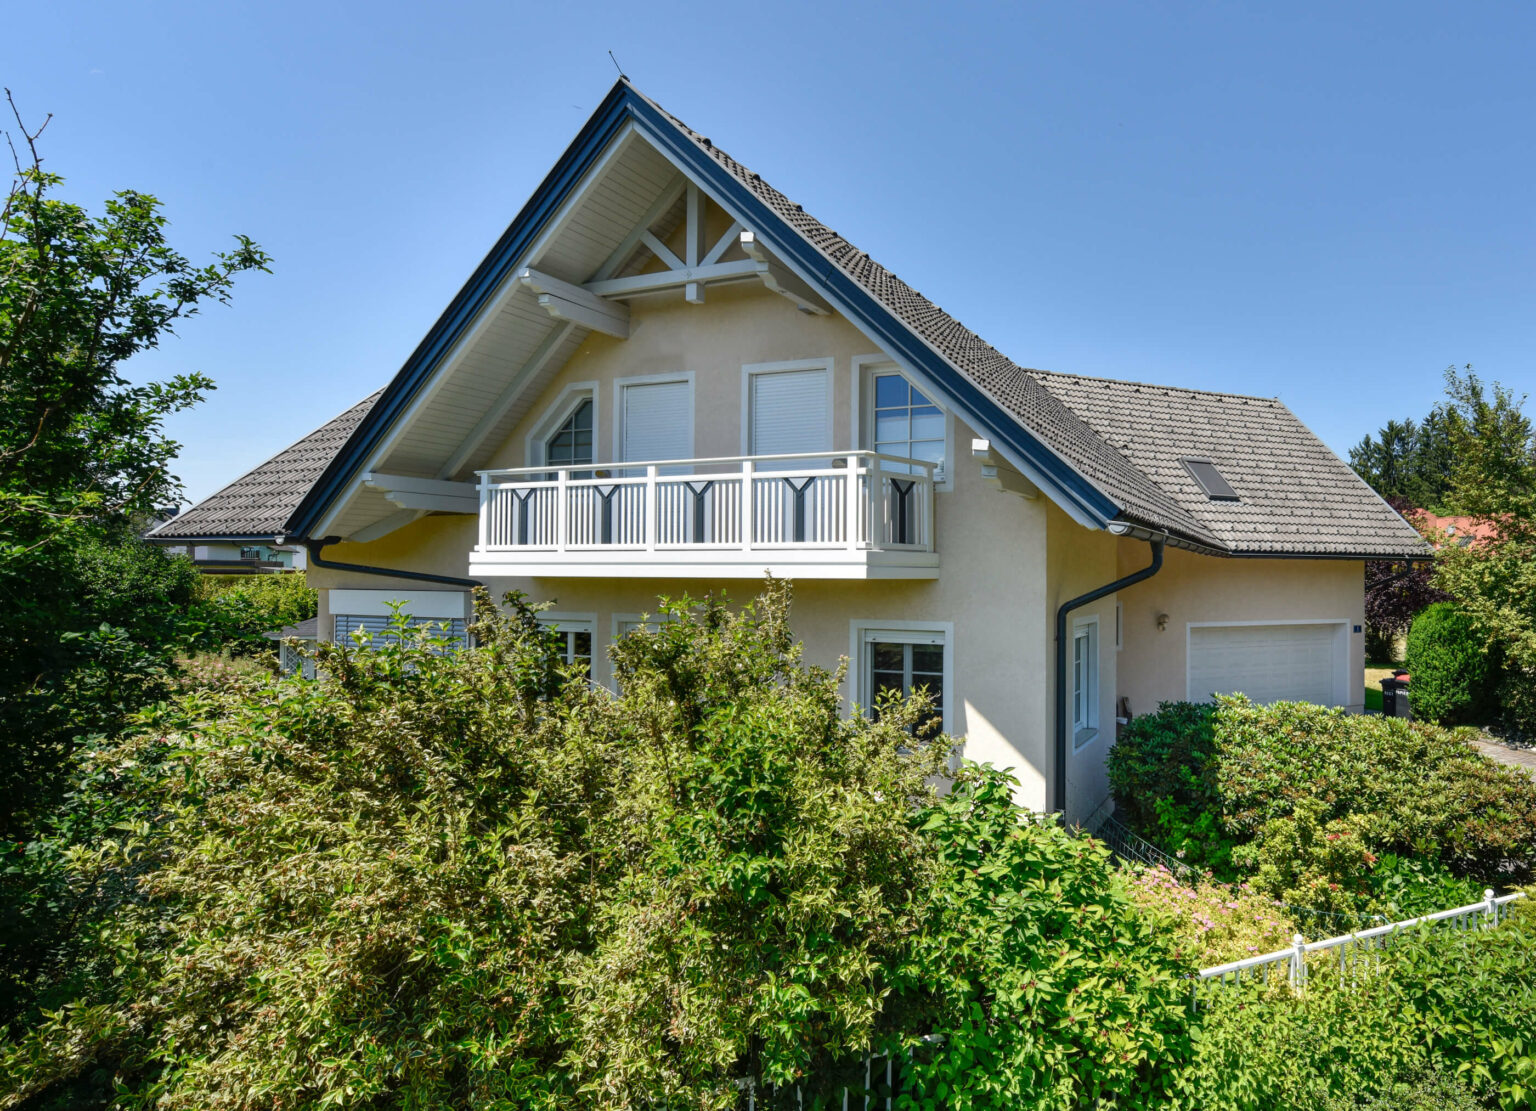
(789, 412)
(658, 421)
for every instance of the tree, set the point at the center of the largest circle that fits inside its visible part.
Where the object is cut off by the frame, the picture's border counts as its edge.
(1408, 462)
(83, 454)
(1494, 580)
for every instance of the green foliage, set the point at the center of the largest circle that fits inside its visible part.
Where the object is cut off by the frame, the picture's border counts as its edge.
(1408, 461)
(1445, 1015)
(1405, 887)
(1400, 787)
(1517, 700)
(245, 606)
(1454, 673)
(83, 458)
(1211, 922)
(444, 879)
(1307, 860)
(1047, 987)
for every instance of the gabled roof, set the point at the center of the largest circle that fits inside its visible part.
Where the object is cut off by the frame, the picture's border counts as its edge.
(1296, 497)
(257, 505)
(1065, 438)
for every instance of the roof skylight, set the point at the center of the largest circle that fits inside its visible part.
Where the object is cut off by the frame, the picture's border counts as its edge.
(1210, 480)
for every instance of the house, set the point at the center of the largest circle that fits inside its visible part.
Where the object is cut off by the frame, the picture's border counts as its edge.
(1462, 532)
(666, 377)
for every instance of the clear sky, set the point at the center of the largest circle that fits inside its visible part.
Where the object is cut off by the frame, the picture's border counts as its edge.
(1325, 202)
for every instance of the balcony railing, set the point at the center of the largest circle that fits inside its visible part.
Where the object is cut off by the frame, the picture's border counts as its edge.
(841, 510)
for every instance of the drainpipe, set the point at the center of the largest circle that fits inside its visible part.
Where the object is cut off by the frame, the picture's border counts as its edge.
(1060, 785)
(313, 547)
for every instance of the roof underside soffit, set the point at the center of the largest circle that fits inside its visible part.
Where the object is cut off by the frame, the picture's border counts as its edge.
(636, 228)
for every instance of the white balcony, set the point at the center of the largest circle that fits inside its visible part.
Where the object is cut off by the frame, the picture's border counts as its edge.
(851, 515)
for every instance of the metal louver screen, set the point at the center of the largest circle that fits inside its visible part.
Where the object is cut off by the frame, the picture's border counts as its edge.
(345, 624)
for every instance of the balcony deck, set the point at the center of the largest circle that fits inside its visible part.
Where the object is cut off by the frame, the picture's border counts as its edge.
(846, 515)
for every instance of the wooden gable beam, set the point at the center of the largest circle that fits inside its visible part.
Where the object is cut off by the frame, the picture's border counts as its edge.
(432, 494)
(782, 280)
(565, 301)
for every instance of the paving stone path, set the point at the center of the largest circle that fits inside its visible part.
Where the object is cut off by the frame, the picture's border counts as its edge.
(1504, 754)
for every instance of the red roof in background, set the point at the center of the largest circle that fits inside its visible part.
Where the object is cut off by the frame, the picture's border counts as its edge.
(1461, 531)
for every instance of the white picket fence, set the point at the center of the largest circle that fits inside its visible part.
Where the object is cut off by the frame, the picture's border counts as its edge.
(1356, 952)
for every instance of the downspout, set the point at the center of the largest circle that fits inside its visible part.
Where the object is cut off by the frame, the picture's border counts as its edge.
(313, 547)
(1060, 785)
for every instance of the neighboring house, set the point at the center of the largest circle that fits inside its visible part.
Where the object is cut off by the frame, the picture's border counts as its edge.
(666, 377)
(288, 655)
(1463, 532)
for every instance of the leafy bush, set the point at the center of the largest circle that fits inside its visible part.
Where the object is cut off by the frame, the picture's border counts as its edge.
(1517, 701)
(1412, 788)
(1445, 1012)
(1406, 887)
(1454, 672)
(1211, 923)
(433, 879)
(1048, 989)
(1307, 860)
(242, 607)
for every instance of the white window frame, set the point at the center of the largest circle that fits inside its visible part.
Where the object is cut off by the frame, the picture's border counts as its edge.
(557, 413)
(748, 370)
(619, 386)
(861, 632)
(573, 623)
(1086, 728)
(862, 407)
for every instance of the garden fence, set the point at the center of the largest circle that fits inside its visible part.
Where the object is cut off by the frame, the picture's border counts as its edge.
(1356, 952)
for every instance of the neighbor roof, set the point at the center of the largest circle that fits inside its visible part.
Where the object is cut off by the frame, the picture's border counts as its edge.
(1101, 447)
(257, 505)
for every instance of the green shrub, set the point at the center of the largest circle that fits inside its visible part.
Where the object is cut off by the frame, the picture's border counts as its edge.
(1048, 988)
(1517, 701)
(1414, 789)
(1306, 860)
(1211, 923)
(1445, 1015)
(1454, 671)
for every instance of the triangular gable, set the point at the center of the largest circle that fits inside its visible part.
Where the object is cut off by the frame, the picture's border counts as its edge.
(1024, 421)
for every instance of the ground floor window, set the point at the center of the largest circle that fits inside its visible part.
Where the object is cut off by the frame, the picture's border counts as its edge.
(1085, 681)
(575, 640)
(377, 627)
(901, 660)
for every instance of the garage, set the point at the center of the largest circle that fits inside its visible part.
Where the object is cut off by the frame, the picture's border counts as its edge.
(1293, 662)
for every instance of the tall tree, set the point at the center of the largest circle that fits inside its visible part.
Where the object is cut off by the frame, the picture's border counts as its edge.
(83, 453)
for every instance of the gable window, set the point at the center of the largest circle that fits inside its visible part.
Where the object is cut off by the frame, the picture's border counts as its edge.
(788, 409)
(900, 661)
(903, 421)
(571, 443)
(574, 640)
(1085, 681)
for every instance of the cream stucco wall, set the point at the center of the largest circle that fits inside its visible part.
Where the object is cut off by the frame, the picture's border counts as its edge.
(1006, 562)
(1193, 589)
(989, 592)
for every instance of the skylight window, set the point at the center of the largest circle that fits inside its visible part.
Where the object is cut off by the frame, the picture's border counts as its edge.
(1209, 479)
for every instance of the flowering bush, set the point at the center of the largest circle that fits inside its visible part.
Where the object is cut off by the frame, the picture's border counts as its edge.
(1212, 922)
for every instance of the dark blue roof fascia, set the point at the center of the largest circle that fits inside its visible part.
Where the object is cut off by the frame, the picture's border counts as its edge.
(616, 109)
(622, 104)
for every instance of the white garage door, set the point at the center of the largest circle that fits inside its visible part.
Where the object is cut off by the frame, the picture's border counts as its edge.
(1268, 663)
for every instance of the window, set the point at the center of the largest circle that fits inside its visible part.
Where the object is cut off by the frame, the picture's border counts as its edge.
(655, 419)
(788, 408)
(571, 443)
(903, 660)
(1084, 663)
(343, 625)
(1212, 482)
(575, 639)
(905, 422)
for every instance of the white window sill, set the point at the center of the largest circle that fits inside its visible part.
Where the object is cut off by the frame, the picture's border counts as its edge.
(1083, 737)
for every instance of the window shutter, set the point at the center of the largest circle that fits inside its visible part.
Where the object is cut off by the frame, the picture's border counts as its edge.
(789, 412)
(658, 421)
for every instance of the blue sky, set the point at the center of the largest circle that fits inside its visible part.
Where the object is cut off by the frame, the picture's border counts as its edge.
(1325, 202)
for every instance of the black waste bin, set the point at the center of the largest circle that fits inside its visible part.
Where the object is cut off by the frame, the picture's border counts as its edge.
(1394, 696)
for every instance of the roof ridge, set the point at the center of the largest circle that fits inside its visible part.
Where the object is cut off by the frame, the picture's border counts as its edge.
(1155, 385)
